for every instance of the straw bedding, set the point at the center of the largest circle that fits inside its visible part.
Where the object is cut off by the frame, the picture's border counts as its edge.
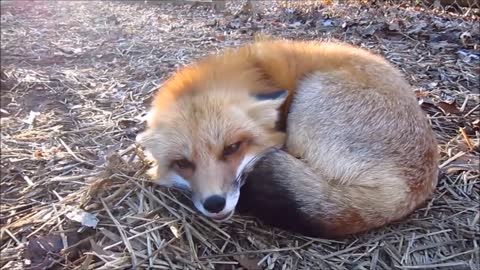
(77, 77)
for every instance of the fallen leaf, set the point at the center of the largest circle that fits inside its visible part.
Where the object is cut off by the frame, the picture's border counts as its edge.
(127, 122)
(426, 102)
(68, 51)
(417, 28)
(468, 57)
(476, 124)
(113, 148)
(446, 98)
(295, 24)
(368, 31)
(448, 37)
(43, 252)
(248, 263)
(467, 162)
(38, 250)
(83, 217)
(99, 250)
(445, 103)
(447, 108)
(466, 38)
(174, 230)
(394, 26)
(234, 25)
(444, 107)
(327, 22)
(31, 117)
(439, 24)
(39, 154)
(113, 19)
(421, 94)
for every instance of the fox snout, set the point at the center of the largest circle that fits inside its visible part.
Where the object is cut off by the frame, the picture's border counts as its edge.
(219, 207)
(215, 198)
(214, 204)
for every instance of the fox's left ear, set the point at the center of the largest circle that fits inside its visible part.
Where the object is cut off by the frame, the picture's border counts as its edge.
(149, 120)
(265, 109)
(279, 96)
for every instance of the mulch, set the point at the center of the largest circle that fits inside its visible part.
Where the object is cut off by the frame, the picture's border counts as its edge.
(77, 79)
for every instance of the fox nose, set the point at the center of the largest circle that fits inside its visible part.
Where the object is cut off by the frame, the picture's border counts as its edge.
(214, 204)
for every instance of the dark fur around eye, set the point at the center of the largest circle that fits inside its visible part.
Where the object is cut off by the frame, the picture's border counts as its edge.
(183, 164)
(231, 149)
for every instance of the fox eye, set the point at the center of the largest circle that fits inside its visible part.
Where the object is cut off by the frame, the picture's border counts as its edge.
(231, 149)
(183, 164)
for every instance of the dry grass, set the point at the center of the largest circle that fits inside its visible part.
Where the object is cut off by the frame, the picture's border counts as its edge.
(77, 77)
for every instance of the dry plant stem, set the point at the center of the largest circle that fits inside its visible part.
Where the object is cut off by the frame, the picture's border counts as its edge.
(122, 234)
(77, 77)
(467, 140)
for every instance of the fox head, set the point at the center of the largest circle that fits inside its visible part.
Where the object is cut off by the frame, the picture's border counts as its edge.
(202, 140)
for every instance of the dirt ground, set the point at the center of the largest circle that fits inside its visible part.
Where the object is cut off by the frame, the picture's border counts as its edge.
(77, 78)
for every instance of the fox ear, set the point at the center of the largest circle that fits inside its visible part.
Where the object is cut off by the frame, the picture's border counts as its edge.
(279, 95)
(265, 110)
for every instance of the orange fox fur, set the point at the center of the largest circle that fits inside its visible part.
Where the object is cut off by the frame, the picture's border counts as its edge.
(357, 151)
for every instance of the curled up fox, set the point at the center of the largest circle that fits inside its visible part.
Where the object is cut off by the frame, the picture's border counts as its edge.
(320, 138)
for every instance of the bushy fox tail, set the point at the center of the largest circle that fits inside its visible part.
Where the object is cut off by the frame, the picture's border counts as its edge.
(284, 192)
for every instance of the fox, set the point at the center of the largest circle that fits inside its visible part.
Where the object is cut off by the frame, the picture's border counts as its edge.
(321, 138)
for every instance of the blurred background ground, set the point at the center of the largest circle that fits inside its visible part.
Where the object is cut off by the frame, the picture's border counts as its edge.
(76, 79)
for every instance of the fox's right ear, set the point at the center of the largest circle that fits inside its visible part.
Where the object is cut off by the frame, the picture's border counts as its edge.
(265, 110)
(148, 119)
(279, 95)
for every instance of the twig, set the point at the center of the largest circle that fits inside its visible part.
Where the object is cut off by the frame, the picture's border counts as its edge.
(122, 233)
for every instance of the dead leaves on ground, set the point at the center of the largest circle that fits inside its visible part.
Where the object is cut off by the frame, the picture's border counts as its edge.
(465, 162)
(444, 103)
(45, 251)
(248, 263)
(109, 73)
